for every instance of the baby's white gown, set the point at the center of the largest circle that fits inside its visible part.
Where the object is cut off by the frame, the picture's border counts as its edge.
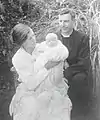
(47, 100)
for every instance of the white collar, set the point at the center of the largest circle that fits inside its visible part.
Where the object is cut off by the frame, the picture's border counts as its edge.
(67, 35)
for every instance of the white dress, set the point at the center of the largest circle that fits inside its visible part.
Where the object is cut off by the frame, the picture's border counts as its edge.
(39, 96)
(55, 103)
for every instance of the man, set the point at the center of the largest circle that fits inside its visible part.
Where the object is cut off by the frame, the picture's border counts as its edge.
(79, 59)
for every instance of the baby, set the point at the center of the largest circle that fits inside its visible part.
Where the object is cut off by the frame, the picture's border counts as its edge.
(51, 50)
(51, 40)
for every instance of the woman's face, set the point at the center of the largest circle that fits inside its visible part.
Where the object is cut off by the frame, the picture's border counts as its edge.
(31, 40)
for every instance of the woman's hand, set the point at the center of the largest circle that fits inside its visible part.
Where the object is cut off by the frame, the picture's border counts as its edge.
(51, 64)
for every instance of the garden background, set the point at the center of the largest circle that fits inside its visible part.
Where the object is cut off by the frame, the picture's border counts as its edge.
(42, 16)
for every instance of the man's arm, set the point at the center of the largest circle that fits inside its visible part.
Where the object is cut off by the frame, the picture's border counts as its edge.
(83, 59)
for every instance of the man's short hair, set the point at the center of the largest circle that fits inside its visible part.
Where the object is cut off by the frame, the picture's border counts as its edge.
(68, 11)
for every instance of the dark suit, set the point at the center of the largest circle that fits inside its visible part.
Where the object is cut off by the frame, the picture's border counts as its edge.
(79, 71)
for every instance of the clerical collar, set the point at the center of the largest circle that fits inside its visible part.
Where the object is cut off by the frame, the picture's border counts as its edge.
(67, 35)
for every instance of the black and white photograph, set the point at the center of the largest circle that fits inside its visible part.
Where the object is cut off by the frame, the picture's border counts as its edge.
(49, 59)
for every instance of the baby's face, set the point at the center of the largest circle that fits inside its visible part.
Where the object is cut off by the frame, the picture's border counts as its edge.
(51, 39)
(51, 42)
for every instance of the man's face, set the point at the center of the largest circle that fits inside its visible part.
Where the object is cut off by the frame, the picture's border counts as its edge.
(66, 23)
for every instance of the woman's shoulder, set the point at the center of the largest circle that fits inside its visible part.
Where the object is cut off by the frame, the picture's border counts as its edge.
(19, 56)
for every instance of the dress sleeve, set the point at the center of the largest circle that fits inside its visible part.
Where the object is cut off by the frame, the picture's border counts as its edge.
(24, 69)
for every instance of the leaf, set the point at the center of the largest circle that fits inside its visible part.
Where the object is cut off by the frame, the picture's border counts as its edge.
(2, 8)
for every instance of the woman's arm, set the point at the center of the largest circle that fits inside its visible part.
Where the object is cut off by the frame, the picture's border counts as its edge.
(27, 76)
(36, 79)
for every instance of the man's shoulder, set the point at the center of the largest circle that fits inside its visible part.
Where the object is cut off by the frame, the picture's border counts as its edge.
(76, 32)
(80, 36)
(80, 33)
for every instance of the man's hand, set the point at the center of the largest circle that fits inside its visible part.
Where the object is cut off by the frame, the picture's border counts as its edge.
(51, 64)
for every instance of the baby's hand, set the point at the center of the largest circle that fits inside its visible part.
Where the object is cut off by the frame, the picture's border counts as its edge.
(66, 65)
(13, 69)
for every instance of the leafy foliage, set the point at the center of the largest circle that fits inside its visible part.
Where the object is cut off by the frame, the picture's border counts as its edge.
(42, 16)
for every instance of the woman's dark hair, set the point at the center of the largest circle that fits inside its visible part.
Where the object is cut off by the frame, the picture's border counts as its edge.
(20, 33)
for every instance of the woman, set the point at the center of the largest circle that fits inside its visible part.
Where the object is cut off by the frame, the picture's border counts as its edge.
(26, 103)
(23, 103)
